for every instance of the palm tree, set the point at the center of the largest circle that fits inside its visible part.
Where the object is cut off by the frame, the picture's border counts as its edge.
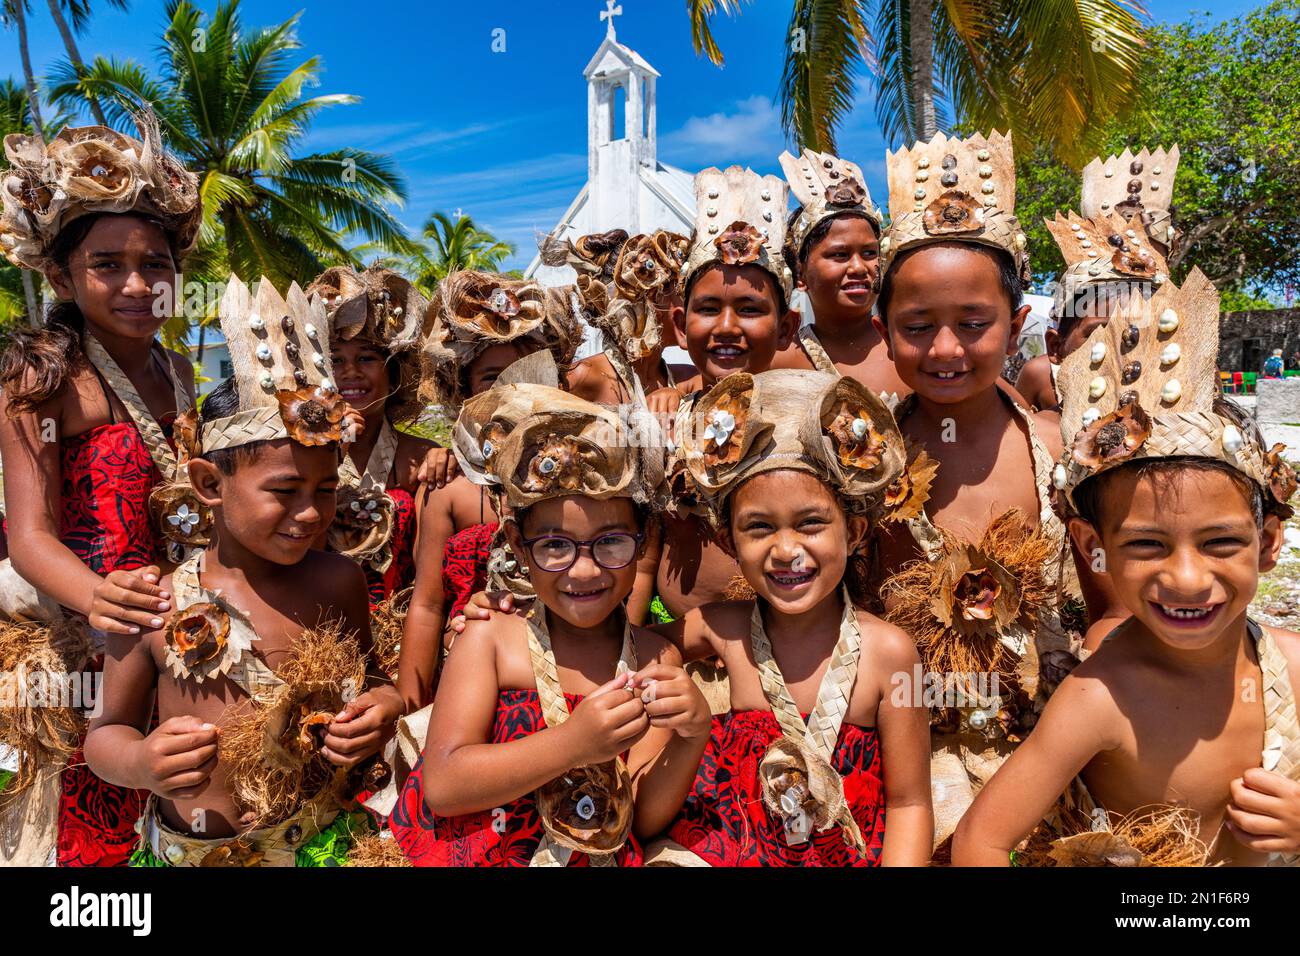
(231, 106)
(16, 116)
(450, 246)
(79, 11)
(17, 11)
(1052, 71)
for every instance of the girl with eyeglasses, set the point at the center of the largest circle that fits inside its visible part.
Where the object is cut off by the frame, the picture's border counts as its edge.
(562, 735)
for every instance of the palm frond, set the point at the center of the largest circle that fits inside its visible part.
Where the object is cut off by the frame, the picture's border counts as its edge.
(701, 14)
(827, 42)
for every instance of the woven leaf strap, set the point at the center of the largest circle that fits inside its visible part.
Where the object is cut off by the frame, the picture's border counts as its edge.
(811, 747)
(823, 728)
(261, 423)
(816, 351)
(555, 711)
(159, 450)
(1053, 527)
(378, 466)
(1281, 728)
(252, 675)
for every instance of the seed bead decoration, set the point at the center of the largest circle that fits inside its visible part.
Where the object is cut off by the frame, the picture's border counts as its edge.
(1097, 388)
(286, 324)
(950, 161)
(948, 179)
(1130, 337)
(300, 378)
(1171, 353)
(291, 350)
(1131, 373)
(1172, 391)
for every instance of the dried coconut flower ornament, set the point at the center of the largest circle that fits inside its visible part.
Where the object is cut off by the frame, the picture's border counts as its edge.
(588, 809)
(313, 416)
(740, 244)
(1282, 480)
(557, 464)
(1113, 437)
(197, 634)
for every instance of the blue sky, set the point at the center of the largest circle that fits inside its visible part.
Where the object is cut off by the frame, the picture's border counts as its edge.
(502, 136)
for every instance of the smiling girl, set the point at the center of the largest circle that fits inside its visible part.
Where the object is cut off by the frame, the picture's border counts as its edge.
(820, 762)
(833, 249)
(376, 319)
(88, 403)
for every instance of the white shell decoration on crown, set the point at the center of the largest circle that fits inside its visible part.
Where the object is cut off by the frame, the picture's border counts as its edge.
(1170, 354)
(1168, 321)
(1098, 352)
(1232, 440)
(1097, 388)
(1172, 391)
(1090, 416)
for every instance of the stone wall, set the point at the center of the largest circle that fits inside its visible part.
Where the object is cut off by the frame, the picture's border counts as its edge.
(1247, 338)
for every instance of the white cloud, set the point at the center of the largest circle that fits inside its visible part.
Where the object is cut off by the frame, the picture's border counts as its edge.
(752, 129)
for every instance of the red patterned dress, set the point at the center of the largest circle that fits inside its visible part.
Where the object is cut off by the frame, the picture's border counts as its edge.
(104, 520)
(401, 570)
(465, 564)
(725, 822)
(505, 836)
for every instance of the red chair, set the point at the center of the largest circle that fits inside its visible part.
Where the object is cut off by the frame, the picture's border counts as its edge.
(1238, 382)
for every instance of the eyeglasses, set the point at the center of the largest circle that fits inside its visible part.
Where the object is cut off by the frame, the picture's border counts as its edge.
(556, 553)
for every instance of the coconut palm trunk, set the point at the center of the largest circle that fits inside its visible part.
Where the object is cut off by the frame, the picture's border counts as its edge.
(75, 56)
(922, 35)
(20, 18)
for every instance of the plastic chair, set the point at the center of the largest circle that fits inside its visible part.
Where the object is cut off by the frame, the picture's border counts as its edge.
(1238, 383)
(1225, 382)
(1251, 378)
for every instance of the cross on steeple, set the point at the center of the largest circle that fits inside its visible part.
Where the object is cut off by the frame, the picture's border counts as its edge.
(612, 10)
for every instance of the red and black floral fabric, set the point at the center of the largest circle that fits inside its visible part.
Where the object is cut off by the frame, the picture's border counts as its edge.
(107, 475)
(504, 836)
(726, 823)
(465, 564)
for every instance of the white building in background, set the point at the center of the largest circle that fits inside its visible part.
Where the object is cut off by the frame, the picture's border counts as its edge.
(216, 365)
(627, 187)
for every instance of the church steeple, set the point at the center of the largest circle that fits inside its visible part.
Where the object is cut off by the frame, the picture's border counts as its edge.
(617, 75)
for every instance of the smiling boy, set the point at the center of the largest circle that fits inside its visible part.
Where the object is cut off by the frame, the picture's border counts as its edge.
(951, 309)
(1171, 710)
(734, 318)
(265, 460)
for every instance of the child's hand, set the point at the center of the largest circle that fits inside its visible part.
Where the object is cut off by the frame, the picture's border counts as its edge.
(1264, 812)
(481, 606)
(363, 726)
(179, 757)
(606, 722)
(125, 601)
(664, 402)
(438, 468)
(673, 701)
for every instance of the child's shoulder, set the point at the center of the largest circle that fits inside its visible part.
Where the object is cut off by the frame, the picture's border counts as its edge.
(589, 378)
(653, 648)
(888, 643)
(728, 620)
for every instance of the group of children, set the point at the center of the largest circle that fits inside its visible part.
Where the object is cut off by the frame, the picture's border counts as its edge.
(870, 603)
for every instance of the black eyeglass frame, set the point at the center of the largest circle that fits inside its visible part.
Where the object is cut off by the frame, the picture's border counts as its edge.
(580, 546)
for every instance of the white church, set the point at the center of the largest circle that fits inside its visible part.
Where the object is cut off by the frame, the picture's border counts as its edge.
(627, 187)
